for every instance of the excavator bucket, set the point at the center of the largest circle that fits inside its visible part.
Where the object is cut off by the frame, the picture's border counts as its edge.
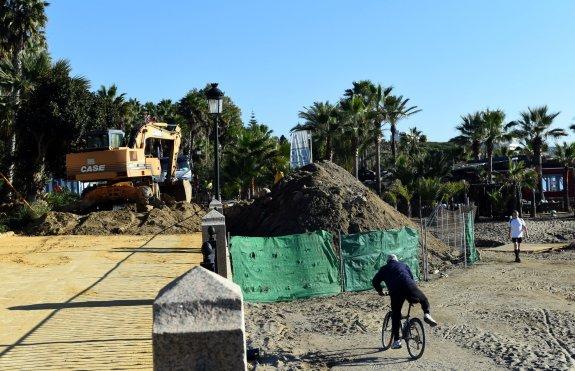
(180, 190)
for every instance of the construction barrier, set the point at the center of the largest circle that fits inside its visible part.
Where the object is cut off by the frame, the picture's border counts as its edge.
(285, 268)
(472, 254)
(364, 253)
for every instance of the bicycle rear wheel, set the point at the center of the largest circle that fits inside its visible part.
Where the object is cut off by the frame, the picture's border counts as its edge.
(386, 331)
(415, 339)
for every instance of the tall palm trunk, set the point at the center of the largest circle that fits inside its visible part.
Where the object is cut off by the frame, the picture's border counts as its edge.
(476, 149)
(539, 168)
(355, 146)
(490, 159)
(15, 97)
(378, 162)
(517, 198)
(393, 144)
(328, 148)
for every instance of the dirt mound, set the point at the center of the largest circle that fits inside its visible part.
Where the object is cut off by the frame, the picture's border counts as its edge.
(178, 219)
(319, 196)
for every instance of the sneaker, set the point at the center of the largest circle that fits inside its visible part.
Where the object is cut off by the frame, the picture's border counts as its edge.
(517, 260)
(430, 321)
(396, 344)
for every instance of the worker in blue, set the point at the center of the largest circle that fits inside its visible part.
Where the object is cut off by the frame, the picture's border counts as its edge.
(401, 286)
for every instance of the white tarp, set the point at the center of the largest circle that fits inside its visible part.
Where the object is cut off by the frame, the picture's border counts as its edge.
(301, 150)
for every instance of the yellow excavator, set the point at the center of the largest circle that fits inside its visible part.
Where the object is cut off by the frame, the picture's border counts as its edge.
(129, 173)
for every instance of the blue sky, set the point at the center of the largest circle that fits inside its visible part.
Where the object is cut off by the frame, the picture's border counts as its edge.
(274, 58)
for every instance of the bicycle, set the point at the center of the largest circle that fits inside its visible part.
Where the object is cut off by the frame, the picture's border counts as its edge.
(411, 330)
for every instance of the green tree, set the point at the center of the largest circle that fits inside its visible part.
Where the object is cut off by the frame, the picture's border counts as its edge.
(110, 108)
(535, 127)
(379, 117)
(49, 123)
(21, 27)
(515, 178)
(565, 154)
(321, 119)
(411, 142)
(397, 109)
(428, 191)
(494, 131)
(355, 126)
(253, 158)
(193, 108)
(472, 133)
(399, 190)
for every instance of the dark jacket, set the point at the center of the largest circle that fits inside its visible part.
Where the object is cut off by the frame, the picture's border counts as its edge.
(396, 275)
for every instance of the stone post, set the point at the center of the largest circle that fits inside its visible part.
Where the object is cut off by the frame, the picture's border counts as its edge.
(216, 204)
(199, 324)
(218, 221)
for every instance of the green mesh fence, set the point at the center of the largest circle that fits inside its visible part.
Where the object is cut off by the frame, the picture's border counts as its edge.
(472, 254)
(285, 268)
(364, 253)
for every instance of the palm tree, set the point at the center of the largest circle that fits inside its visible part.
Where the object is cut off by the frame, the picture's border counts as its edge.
(397, 109)
(398, 189)
(193, 107)
(354, 113)
(535, 127)
(411, 142)
(566, 156)
(321, 119)
(428, 191)
(494, 132)
(517, 176)
(379, 117)
(21, 24)
(471, 132)
(254, 153)
(374, 99)
(113, 106)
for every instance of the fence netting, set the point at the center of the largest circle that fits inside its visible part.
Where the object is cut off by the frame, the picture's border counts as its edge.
(455, 228)
(304, 265)
(364, 253)
(285, 268)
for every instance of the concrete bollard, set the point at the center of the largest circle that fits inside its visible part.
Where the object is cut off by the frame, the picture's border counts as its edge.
(216, 204)
(199, 324)
(218, 221)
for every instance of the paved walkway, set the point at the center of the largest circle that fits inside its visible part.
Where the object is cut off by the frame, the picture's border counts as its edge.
(84, 302)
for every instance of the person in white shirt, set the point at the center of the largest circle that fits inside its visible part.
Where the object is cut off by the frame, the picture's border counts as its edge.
(517, 229)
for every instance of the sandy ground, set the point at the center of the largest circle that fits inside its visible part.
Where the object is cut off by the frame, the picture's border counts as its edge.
(84, 302)
(497, 314)
(542, 229)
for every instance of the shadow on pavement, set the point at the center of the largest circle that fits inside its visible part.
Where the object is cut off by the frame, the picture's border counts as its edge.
(85, 304)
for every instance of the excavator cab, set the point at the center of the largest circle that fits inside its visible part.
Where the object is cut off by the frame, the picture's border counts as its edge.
(105, 139)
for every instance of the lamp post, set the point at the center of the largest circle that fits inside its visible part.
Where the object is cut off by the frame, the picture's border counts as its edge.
(215, 98)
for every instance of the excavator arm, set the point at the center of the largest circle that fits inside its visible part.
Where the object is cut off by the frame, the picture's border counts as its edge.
(163, 131)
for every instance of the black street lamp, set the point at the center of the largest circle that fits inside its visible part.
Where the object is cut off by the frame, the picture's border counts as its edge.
(215, 98)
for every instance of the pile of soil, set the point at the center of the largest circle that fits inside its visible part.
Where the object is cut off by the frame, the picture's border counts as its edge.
(318, 196)
(179, 218)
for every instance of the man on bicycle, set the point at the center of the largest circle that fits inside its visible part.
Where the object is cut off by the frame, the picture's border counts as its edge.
(401, 286)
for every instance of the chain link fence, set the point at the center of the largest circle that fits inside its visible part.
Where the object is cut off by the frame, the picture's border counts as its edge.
(455, 228)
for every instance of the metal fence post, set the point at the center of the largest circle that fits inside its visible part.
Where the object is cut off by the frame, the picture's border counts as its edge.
(464, 243)
(341, 265)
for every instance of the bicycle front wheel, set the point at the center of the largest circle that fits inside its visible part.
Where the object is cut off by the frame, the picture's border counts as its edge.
(415, 339)
(386, 331)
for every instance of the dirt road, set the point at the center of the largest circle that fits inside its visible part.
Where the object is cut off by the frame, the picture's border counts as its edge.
(84, 302)
(497, 314)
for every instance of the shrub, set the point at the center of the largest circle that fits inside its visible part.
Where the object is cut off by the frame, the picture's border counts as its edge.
(61, 200)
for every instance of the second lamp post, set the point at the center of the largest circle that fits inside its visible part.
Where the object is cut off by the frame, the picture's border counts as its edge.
(215, 98)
